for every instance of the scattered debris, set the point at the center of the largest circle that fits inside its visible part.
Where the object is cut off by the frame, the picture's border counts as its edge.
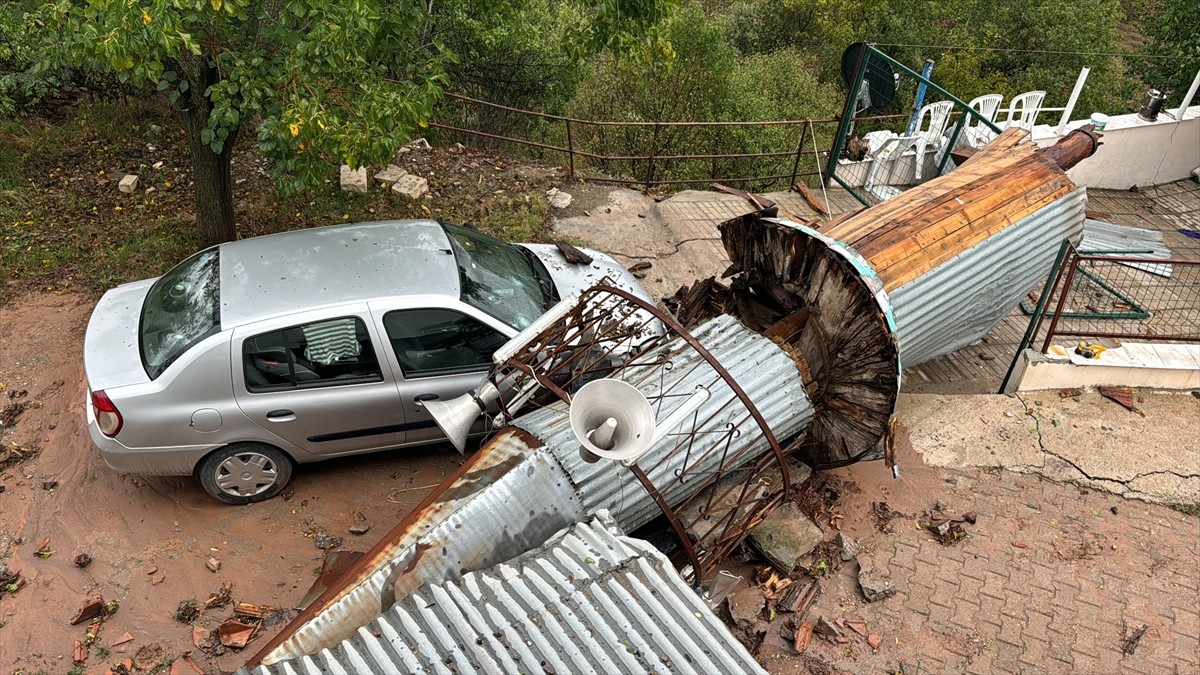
(49, 485)
(221, 598)
(809, 197)
(354, 180)
(158, 580)
(325, 542)
(745, 606)
(187, 611)
(184, 665)
(1131, 640)
(572, 254)
(884, 515)
(125, 637)
(128, 184)
(947, 531)
(858, 626)
(640, 269)
(152, 570)
(95, 607)
(1073, 392)
(83, 560)
(200, 636)
(148, 656)
(1020, 544)
(874, 640)
(1122, 396)
(847, 545)
(803, 637)
(44, 551)
(799, 597)
(360, 528)
(785, 535)
(267, 615)
(81, 651)
(212, 564)
(235, 634)
(10, 581)
(411, 186)
(874, 579)
(824, 627)
(558, 198)
(391, 174)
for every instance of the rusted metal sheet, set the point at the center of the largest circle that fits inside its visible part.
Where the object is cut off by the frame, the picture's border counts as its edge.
(590, 600)
(959, 301)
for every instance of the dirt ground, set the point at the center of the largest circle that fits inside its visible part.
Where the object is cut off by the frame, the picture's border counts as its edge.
(149, 538)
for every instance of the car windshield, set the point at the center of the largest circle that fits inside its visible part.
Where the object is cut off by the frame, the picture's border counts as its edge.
(497, 279)
(182, 308)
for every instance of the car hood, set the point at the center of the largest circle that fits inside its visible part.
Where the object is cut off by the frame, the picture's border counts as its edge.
(110, 347)
(570, 278)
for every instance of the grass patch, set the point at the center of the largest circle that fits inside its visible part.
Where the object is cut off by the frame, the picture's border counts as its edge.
(64, 225)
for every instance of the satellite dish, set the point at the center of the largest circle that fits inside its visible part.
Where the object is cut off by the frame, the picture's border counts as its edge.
(879, 76)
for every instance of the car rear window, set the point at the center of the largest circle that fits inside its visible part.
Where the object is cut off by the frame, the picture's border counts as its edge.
(182, 308)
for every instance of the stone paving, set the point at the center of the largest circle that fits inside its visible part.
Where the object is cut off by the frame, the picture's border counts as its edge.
(1050, 579)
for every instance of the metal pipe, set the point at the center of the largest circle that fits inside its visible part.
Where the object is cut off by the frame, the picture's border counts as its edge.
(1066, 116)
(1187, 99)
(919, 99)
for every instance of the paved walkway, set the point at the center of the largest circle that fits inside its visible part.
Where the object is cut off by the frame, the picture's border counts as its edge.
(1050, 579)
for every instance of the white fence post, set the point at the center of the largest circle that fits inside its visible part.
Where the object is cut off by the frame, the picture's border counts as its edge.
(1187, 100)
(1066, 116)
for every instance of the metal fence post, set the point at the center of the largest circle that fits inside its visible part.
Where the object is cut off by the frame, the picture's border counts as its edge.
(650, 162)
(570, 152)
(799, 150)
(1035, 321)
(1062, 300)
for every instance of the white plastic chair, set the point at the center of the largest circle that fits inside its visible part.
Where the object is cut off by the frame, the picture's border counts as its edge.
(1025, 108)
(889, 154)
(931, 135)
(978, 133)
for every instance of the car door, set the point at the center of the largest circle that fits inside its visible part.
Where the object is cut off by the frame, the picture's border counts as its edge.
(318, 382)
(441, 353)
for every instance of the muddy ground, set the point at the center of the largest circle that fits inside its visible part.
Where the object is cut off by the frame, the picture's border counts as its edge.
(149, 538)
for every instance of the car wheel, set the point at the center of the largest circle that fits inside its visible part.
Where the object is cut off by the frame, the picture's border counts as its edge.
(245, 473)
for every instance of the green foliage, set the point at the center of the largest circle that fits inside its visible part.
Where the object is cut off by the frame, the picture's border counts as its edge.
(1175, 36)
(21, 40)
(706, 81)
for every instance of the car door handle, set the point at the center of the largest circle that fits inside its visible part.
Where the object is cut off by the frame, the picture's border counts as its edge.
(281, 415)
(424, 397)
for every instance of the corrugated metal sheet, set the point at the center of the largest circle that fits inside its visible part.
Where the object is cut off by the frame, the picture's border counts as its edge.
(958, 302)
(590, 600)
(530, 481)
(1102, 237)
(765, 372)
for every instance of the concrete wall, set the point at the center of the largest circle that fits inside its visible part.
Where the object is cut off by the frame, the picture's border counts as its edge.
(1136, 152)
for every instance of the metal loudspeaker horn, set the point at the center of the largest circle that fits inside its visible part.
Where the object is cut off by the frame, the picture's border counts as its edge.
(456, 416)
(611, 419)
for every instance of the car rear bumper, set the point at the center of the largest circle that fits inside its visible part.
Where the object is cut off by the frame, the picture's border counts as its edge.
(166, 461)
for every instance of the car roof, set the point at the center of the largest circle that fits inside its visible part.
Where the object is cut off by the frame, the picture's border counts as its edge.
(291, 271)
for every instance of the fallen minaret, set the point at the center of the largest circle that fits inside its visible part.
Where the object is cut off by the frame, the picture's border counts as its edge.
(799, 356)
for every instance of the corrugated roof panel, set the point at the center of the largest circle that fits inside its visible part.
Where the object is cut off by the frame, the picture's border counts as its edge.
(1103, 237)
(755, 362)
(590, 600)
(962, 299)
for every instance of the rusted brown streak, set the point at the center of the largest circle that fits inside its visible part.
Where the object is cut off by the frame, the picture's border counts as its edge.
(383, 548)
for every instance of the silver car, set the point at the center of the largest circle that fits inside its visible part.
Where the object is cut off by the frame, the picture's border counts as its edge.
(256, 355)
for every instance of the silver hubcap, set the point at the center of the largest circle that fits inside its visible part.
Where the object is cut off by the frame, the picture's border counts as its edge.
(246, 474)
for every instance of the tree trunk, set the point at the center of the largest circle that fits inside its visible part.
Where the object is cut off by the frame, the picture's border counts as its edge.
(210, 170)
(214, 187)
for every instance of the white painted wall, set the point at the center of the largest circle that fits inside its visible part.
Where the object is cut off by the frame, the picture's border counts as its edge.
(1132, 152)
(1136, 152)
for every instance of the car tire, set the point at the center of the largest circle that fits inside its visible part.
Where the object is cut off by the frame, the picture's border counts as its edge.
(244, 473)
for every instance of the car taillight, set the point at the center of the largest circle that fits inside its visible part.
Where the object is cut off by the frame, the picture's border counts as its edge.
(107, 415)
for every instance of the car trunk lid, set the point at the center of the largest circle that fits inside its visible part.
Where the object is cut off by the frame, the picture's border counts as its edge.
(110, 346)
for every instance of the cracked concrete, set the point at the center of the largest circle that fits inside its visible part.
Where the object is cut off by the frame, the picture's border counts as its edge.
(1090, 441)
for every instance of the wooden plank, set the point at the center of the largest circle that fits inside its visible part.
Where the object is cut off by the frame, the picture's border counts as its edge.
(974, 202)
(901, 271)
(858, 228)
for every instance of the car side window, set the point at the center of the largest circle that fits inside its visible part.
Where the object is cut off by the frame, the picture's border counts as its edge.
(440, 341)
(324, 353)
